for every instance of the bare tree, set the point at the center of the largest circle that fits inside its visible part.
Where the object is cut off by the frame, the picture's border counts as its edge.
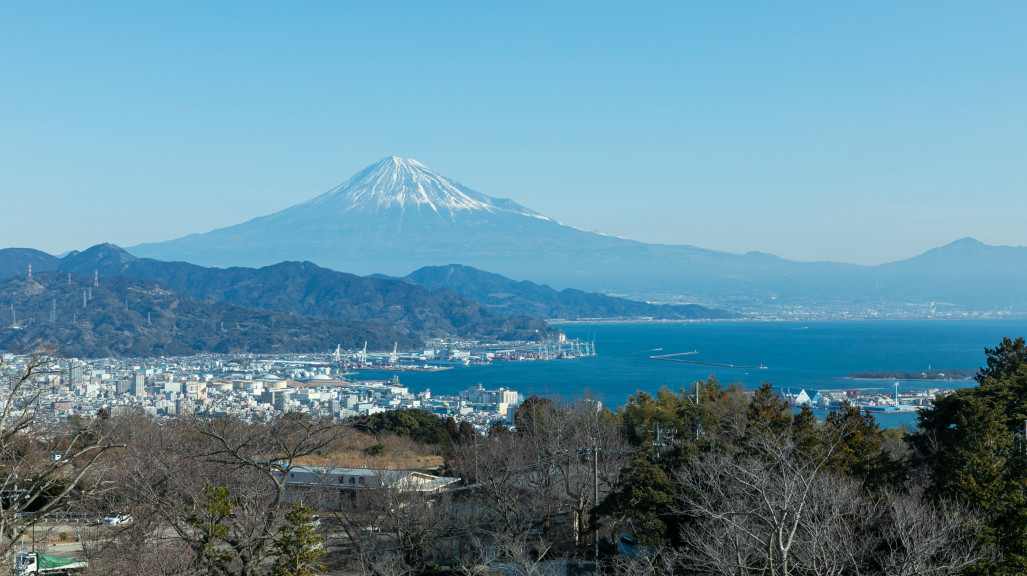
(534, 491)
(396, 524)
(221, 486)
(45, 465)
(839, 534)
(145, 546)
(923, 538)
(773, 510)
(654, 560)
(598, 437)
(579, 451)
(522, 555)
(508, 489)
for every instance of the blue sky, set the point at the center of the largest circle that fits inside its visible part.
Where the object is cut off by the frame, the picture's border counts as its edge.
(861, 132)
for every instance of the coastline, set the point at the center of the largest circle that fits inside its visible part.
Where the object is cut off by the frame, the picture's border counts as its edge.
(905, 379)
(650, 320)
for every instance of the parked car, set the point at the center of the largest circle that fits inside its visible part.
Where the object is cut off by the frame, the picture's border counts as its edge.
(116, 518)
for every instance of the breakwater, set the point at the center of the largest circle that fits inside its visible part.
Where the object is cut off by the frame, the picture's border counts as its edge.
(676, 358)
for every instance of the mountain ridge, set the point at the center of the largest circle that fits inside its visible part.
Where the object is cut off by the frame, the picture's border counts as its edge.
(305, 289)
(140, 318)
(236, 285)
(17, 261)
(507, 296)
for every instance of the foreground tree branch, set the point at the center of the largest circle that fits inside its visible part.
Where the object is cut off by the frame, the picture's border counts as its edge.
(45, 465)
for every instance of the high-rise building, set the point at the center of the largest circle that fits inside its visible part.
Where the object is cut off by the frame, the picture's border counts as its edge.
(74, 375)
(479, 395)
(138, 384)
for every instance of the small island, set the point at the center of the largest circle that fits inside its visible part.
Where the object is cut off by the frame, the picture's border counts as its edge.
(940, 375)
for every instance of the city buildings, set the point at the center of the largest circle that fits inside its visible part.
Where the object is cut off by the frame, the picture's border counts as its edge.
(249, 388)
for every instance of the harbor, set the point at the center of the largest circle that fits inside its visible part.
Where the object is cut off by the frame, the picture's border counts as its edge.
(446, 354)
(874, 400)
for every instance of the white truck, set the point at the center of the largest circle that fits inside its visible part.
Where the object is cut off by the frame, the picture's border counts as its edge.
(36, 563)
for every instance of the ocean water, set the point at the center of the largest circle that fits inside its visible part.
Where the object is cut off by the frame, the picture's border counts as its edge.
(814, 355)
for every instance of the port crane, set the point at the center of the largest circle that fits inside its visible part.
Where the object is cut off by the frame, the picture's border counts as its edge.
(361, 356)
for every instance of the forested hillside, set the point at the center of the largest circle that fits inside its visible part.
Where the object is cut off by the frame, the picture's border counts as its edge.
(127, 317)
(512, 298)
(306, 289)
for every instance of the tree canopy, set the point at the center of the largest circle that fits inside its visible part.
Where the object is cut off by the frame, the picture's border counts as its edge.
(971, 447)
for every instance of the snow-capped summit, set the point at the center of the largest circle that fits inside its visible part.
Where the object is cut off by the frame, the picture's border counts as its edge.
(405, 184)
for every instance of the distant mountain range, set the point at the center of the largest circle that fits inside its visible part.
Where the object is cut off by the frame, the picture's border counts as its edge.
(265, 309)
(398, 215)
(139, 318)
(510, 297)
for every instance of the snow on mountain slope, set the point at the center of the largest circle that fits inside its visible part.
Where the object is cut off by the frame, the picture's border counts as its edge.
(405, 184)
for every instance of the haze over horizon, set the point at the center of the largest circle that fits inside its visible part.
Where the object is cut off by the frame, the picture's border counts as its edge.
(854, 133)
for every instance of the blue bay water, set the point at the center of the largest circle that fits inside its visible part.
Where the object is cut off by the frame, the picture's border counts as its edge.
(815, 355)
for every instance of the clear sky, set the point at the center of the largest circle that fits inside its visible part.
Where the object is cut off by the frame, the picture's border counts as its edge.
(861, 132)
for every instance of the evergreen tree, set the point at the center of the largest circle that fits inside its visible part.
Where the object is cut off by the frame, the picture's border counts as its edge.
(417, 424)
(858, 450)
(465, 432)
(498, 430)
(972, 446)
(688, 417)
(532, 415)
(768, 414)
(806, 432)
(453, 428)
(645, 496)
(639, 414)
(299, 547)
(1006, 358)
(210, 521)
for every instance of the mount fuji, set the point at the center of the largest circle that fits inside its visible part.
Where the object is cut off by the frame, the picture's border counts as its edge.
(398, 215)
